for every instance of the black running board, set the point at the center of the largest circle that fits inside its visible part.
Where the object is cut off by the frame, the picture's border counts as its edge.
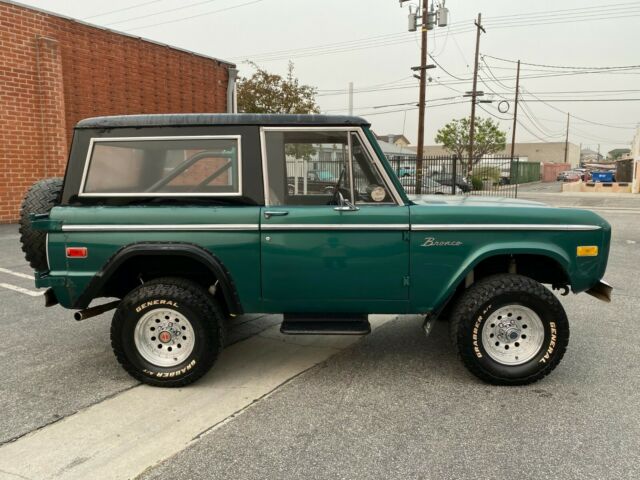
(325, 325)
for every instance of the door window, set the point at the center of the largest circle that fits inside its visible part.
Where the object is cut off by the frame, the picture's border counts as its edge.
(304, 167)
(310, 167)
(367, 180)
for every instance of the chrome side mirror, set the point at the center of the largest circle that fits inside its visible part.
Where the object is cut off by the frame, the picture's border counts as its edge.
(345, 205)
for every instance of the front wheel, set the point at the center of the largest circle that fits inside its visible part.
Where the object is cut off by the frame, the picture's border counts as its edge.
(509, 330)
(167, 333)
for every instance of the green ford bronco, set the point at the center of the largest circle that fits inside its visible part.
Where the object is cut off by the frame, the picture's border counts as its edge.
(184, 221)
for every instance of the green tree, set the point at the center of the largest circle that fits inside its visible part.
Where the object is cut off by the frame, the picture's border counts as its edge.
(265, 92)
(454, 136)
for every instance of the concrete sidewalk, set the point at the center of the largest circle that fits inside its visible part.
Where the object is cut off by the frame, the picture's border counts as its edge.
(587, 200)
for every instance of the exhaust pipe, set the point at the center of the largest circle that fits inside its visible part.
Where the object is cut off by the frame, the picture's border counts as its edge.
(93, 311)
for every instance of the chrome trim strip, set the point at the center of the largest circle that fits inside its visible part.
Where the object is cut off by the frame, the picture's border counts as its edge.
(381, 170)
(361, 136)
(94, 140)
(263, 152)
(311, 127)
(501, 226)
(167, 227)
(335, 226)
(352, 190)
(46, 250)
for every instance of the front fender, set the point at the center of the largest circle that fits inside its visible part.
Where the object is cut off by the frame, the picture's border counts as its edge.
(430, 293)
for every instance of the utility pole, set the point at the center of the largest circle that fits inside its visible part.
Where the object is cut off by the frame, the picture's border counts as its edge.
(566, 141)
(428, 22)
(515, 113)
(350, 98)
(423, 87)
(513, 132)
(474, 92)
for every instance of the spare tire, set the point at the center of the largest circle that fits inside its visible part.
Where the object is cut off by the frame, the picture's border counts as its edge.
(40, 198)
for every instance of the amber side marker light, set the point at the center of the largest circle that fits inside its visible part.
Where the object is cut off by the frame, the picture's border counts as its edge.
(587, 251)
(77, 252)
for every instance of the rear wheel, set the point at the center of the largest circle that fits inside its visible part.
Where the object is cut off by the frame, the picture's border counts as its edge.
(167, 333)
(509, 330)
(40, 198)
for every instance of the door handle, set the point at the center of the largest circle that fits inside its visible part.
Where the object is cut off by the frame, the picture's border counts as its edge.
(275, 213)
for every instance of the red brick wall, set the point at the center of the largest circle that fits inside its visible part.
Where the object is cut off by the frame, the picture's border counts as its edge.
(54, 72)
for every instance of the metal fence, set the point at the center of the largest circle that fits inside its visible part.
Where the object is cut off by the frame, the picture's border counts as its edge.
(496, 175)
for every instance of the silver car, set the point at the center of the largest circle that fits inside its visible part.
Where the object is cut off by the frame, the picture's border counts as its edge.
(429, 186)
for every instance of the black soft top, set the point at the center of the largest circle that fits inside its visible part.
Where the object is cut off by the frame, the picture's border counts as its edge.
(212, 119)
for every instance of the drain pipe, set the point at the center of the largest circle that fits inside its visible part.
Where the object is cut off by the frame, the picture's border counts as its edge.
(232, 105)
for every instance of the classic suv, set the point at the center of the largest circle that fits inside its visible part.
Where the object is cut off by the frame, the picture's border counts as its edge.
(188, 219)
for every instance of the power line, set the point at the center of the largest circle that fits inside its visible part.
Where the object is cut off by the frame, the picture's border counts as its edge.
(181, 7)
(447, 72)
(506, 21)
(562, 66)
(197, 16)
(131, 7)
(394, 104)
(370, 114)
(341, 90)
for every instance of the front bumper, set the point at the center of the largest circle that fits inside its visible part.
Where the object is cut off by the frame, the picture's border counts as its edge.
(602, 291)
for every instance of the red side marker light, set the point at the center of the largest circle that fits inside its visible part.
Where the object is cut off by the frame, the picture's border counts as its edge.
(77, 252)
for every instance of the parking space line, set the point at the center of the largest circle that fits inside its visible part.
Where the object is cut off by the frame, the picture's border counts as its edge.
(26, 291)
(121, 437)
(16, 274)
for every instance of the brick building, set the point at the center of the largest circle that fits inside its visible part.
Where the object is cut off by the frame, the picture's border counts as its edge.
(55, 71)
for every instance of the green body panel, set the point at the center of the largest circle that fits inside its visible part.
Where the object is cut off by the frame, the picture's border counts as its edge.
(436, 271)
(333, 269)
(239, 251)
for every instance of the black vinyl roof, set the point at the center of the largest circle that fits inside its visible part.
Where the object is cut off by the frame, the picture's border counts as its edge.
(212, 119)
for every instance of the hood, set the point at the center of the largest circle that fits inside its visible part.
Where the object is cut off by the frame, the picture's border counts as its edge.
(473, 201)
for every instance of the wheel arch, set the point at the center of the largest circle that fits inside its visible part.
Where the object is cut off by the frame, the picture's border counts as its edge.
(544, 263)
(134, 263)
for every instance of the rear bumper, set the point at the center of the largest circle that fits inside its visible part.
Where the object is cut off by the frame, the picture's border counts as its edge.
(50, 298)
(602, 291)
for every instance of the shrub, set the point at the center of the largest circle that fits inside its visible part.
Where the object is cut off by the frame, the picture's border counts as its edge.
(476, 182)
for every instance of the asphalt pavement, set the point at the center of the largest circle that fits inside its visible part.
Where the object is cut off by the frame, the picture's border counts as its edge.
(392, 405)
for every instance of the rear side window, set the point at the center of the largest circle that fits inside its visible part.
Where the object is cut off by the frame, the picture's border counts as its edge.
(162, 166)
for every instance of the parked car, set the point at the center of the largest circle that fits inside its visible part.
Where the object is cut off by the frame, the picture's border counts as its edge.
(318, 181)
(429, 186)
(572, 176)
(186, 221)
(406, 171)
(447, 180)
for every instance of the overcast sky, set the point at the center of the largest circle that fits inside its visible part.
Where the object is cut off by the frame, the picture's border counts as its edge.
(333, 42)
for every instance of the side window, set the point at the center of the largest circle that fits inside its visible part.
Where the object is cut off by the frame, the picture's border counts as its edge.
(163, 166)
(368, 184)
(304, 167)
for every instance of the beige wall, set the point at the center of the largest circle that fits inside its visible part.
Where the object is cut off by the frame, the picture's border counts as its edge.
(546, 152)
(535, 152)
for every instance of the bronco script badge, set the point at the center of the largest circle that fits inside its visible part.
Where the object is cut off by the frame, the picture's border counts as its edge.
(432, 242)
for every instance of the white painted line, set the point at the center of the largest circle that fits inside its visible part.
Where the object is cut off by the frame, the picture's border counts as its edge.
(26, 291)
(121, 437)
(16, 274)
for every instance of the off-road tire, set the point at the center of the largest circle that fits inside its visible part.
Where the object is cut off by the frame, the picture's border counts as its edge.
(40, 198)
(475, 307)
(190, 300)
